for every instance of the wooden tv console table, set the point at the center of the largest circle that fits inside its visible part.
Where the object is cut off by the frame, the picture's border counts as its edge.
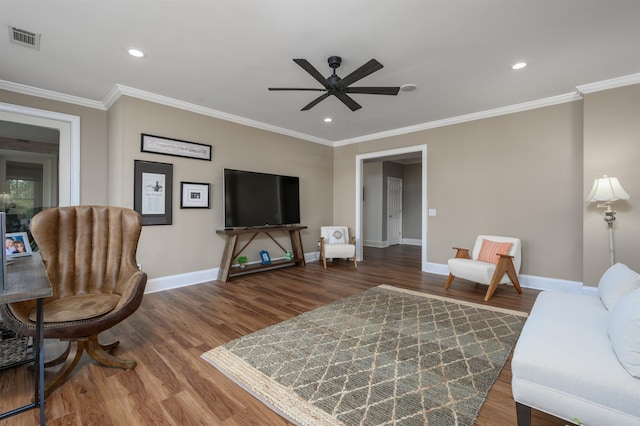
(231, 252)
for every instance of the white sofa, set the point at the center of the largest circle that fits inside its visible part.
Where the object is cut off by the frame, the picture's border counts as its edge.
(578, 356)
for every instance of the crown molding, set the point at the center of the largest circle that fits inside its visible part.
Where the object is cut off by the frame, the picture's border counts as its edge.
(613, 83)
(119, 90)
(49, 94)
(554, 100)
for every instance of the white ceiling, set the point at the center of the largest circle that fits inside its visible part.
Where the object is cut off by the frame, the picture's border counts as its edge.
(219, 57)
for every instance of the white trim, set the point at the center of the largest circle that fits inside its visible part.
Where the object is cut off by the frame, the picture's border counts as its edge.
(613, 83)
(69, 168)
(358, 199)
(411, 241)
(119, 90)
(375, 244)
(49, 94)
(196, 277)
(531, 281)
(181, 280)
(554, 100)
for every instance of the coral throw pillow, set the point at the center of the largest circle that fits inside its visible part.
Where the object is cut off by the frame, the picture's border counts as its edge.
(490, 249)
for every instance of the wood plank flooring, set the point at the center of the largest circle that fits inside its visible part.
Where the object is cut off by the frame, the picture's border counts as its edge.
(172, 385)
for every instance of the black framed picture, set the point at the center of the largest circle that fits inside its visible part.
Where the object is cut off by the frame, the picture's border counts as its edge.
(175, 147)
(194, 195)
(152, 192)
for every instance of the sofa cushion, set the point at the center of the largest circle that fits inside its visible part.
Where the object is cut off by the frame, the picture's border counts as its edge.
(616, 283)
(490, 249)
(624, 332)
(337, 236)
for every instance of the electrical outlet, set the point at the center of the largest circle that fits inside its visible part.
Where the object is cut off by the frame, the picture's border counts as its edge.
(318, 244)
(140, 266)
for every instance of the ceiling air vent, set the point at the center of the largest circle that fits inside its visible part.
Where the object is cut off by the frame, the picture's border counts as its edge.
(24, 38)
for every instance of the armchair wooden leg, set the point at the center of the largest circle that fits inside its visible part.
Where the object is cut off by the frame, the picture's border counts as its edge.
(72, 355)
(449, 281)
(74, 352)
(513, 276)
(60, 359)
(355, 262)
(493, 286)
(505, 265)
(99, 353)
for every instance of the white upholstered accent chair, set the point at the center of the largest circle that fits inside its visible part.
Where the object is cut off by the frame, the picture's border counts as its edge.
(492, 261)
(335, 243)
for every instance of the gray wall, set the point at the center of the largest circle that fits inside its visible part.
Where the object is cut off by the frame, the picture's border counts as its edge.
(412, 202)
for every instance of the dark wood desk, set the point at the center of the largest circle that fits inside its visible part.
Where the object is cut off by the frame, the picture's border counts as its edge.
(27, 280)
(226, 270)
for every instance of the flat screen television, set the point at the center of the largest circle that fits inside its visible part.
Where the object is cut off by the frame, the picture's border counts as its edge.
(253, 199)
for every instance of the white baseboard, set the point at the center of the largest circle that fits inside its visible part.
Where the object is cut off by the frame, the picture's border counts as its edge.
(181, 280)
(529, 281)
(385, 244)
(375, 244)
(197, 277)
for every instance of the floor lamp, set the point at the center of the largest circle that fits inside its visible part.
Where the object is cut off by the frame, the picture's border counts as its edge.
(605, 191)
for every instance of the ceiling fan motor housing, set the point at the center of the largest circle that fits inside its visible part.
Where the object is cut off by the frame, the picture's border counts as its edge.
(334, 62)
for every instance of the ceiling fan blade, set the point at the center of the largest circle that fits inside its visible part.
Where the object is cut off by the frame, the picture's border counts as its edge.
(353, 105)
(315, 102)
(296, 88)
(368, 68)
(311, 70)
(373, 90)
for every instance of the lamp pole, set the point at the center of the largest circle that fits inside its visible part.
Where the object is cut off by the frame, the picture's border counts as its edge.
(610, 217)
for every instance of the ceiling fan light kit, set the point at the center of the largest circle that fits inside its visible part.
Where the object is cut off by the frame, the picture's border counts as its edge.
(340, 87)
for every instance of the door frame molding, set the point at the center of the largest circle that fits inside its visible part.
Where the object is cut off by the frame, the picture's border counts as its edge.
(69, 155)
(360, 158)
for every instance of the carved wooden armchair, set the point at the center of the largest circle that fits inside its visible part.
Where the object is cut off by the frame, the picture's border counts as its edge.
(89, 255)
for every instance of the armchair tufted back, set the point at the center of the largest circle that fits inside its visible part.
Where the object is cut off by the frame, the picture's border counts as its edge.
(87, 249)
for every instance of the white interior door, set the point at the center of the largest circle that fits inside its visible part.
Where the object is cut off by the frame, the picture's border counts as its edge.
(394, 210)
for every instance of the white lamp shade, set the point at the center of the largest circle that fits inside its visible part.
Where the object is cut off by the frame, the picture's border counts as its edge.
(607, 189)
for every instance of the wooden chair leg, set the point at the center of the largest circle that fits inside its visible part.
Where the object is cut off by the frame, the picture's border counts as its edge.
(505, 265)
(72, 355)
(355, 262)
(99, 353)
(60, 359)
(74, 351)
(449, 281)
(513, 276)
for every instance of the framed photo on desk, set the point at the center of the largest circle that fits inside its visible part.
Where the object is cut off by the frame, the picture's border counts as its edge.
(16, 244)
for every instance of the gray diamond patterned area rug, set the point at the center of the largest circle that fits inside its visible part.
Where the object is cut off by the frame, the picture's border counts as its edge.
(387, 356)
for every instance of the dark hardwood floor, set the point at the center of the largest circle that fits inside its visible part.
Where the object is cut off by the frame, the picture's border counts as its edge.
(172, 385)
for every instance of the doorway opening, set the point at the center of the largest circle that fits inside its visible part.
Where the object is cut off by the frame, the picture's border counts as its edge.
(414, 153)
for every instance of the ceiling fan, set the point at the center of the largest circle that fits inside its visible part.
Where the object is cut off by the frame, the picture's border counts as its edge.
(339, 87)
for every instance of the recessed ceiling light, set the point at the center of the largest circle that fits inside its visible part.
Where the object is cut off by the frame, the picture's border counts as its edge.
(137, 53)
(518, 65)
(328, 120)
(408, 87)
